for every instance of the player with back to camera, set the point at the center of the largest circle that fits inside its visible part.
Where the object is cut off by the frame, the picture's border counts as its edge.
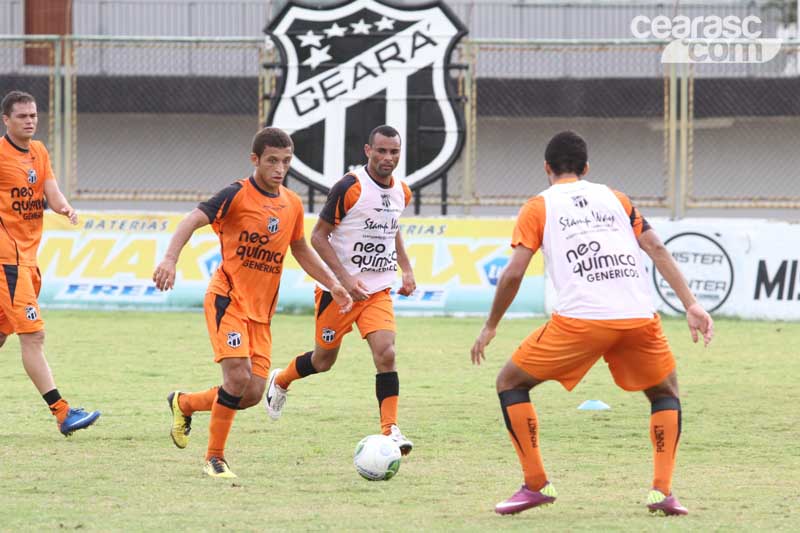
(256, 219)
(591, 238)
(358, 237)
(27, 181)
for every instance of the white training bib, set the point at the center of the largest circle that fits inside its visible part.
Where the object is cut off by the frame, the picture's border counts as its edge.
(364, 240)
(592, 254)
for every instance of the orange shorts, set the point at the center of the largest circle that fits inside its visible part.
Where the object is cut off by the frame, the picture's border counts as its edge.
(19, 308)
(373, 314)
(564, 349)
(232, 335)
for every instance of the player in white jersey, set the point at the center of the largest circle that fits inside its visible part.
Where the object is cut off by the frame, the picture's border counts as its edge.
(357, 236)
(591, 238)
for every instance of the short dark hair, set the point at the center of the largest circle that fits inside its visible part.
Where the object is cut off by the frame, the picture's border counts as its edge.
(567, 153)
(385, 130)
(274, 137)
(15, 97)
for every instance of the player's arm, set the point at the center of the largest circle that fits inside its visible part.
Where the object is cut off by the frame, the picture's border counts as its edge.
(409, 283)
(697, 317)
(507, 288)
(57, 202)
(164, 275)
(320, 240)
(310, 262)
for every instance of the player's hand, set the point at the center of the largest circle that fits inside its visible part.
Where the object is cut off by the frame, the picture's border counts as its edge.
(164, 275)
(484, 338)
(409, 285)
(342, 298)
(71, 214)
(700, 321)
(356, 288)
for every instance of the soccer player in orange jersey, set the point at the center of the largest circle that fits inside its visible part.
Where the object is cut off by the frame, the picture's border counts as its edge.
(591, 238)
(357, 236)
(26, 182)
(257, 219)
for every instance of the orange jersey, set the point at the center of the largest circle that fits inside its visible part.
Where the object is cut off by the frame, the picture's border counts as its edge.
(22, 176)
(255, 229)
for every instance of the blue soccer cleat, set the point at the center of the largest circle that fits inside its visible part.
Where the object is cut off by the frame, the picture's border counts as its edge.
(77, 419)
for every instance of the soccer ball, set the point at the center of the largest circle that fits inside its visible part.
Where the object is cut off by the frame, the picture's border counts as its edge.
(377, 457)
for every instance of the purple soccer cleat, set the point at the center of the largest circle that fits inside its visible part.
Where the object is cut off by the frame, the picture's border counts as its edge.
(525, 499)
(658, 503)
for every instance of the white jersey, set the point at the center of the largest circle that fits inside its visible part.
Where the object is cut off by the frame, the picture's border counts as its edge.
(364, 239)
(592, 254)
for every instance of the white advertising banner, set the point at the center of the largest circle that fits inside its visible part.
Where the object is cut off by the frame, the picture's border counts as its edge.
(746, 268)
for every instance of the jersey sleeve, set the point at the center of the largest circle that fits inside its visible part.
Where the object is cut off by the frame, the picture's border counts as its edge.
(529, 229)
(343, 196)
(406, 193)
(298, 229)
(638, 222)
(48, 167)
(216, 207)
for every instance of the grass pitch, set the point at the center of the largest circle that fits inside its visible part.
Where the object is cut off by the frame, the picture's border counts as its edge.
(738, 464)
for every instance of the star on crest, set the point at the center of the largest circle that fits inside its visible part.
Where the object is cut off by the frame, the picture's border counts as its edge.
(335, 31)
(310, 39)
(385, 24)
(360, 27)
(318, 55)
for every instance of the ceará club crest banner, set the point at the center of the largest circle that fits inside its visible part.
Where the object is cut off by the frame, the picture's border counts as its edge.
(357, 65)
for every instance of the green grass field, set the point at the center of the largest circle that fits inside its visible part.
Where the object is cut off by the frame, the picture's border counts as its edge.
(738, 466)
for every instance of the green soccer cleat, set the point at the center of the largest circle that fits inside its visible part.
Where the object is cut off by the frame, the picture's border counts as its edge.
(181, 424)
(218, 467)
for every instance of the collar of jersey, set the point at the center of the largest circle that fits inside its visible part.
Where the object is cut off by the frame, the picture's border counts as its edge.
(262, 191)
(566, 180)
(376, 182)
(19, 148)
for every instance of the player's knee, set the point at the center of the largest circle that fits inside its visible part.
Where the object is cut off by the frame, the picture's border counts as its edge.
(249, 400)
(32, 339)
(384, 358)
(236, 379)
(323, 360)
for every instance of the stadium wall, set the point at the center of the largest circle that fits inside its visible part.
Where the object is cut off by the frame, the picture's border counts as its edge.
(744, 268)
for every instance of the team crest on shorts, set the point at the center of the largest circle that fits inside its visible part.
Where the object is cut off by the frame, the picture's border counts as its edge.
(328, 334)
(272, 225)
(31, 313)
(32, 176)
(350, 66)
(234, 339)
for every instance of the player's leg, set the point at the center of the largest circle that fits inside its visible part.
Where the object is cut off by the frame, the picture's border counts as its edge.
(260, 358)
(24, 317)
(236, 374)
(376, 324)
(564, 349)
(330, 329)
(643, 361)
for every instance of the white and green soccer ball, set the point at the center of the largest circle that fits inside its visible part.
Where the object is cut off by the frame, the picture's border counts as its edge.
(377, 457)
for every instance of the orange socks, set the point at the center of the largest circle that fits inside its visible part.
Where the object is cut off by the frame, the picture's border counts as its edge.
(197, 401)
(300, 367)
(523, 428)
(222, 413)
(665, 431)
(387, 390)
(58, 406)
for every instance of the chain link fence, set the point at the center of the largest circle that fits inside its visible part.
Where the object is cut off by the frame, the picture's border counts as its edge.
(160, 119)
(606, 92)
(742, 137)
(173, 118)
(31, 64)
